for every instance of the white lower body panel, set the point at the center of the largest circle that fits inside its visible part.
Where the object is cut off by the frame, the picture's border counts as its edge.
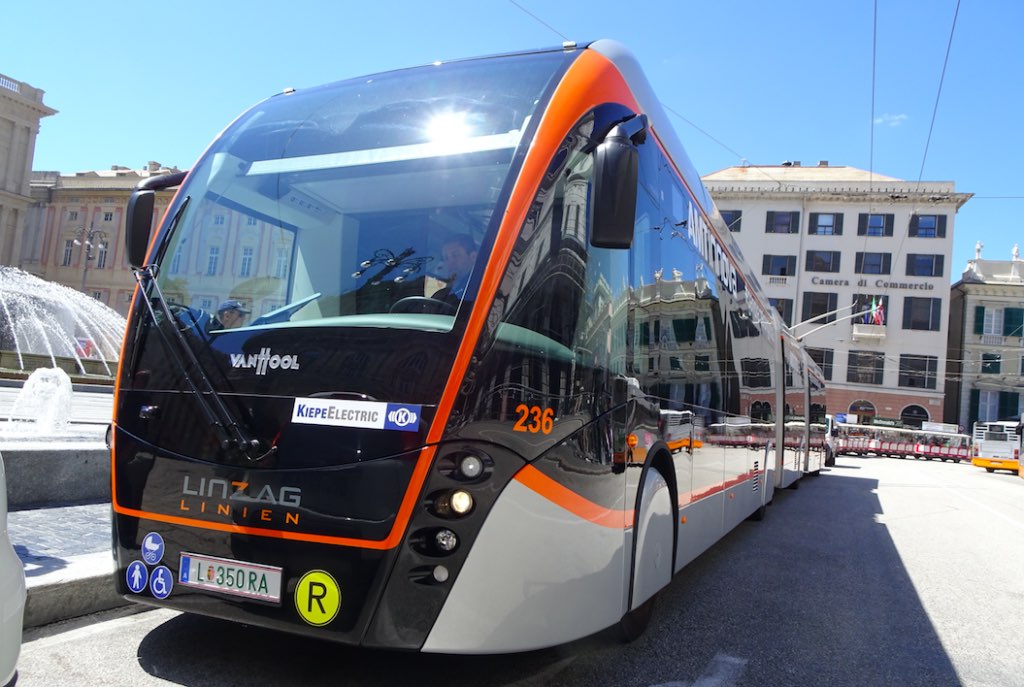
(537, 576)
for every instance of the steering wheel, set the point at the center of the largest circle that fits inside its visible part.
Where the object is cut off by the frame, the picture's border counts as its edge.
(423, 304)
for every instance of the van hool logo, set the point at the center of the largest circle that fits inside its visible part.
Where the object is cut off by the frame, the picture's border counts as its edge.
(264, 360)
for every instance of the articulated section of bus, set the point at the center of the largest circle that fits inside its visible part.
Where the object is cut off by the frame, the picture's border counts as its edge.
(392, 382)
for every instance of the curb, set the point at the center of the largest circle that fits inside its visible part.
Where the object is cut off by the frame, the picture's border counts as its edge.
(83, 586)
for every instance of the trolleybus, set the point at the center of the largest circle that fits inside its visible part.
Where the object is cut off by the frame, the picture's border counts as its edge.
(466, 294)
(997, 445)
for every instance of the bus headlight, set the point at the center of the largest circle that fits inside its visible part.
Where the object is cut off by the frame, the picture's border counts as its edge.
(454, 503)
(461, 501)
(446, 540)
(471, 466)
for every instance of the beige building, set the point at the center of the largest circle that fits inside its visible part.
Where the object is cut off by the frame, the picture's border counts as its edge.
(986, 342)
(76, 230)
(21, 109)
(858, 264)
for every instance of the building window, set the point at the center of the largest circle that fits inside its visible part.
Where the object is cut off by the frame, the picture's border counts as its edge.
(873, 263)
(702, 363)
(213, 261)
(245, 269)
(823, 260)
(924, 265)
(998, 322)
(101, 256)
(69, 246)
(785, 308)
(675, 363)
(988, 405)
(991, 363)
(108, 216)
(862, 408)
(757, 372)
(823, 357)
(874, 225)
(1021, 373)
(97, 295)
(914, 416)
(779, 265)
(993, 322)
(281, 264)
(928, 226)
(918, 371)
(218, 220)
(865, 367)
(761, 411)
(733, 219)
(73, 216)
(176, 262)
(873, 308)
(825, 224)
(250, 221)
(782, 222)
(922, 313)
(816, 304)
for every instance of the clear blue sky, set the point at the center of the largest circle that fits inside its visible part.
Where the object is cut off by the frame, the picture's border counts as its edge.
(764, 81)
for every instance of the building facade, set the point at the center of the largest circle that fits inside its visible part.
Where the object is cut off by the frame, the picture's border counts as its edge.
(858, 265)
(75, 230)
(21, 109)
(985, 378)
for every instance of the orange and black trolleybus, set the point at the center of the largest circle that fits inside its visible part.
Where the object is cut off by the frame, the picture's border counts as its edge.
(395, 370)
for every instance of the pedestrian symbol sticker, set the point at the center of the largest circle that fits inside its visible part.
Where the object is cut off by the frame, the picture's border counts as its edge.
(152, 548)
(161, 582)
(136, 576)
(317, 598)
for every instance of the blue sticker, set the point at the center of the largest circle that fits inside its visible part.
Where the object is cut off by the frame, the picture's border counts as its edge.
(161, 582)
(136, 576)
(405, 418)
(152, 548)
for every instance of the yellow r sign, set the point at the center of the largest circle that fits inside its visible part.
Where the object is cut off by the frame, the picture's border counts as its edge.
(317, 597)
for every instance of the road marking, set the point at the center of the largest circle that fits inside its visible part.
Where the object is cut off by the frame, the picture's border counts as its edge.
(723, 671)
(985, 506)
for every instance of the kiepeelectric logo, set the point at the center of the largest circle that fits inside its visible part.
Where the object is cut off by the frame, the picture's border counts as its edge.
(264, 360)
(403, 417)
(365, 414)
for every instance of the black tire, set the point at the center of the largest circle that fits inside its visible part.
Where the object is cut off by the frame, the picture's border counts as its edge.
(758, 515)
(990, 469)
(634, 623)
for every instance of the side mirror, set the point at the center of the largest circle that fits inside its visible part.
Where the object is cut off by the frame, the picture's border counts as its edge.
(139, 214)
(616, 174)
(138, 223)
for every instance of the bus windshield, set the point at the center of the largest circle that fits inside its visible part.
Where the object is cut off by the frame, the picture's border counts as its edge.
(352, 204)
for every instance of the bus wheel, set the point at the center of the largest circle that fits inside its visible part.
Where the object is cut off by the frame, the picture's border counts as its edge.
(635, 622)
(653, 552)
(990, 469)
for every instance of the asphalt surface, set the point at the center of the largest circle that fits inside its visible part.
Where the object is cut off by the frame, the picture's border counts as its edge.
(879, 572)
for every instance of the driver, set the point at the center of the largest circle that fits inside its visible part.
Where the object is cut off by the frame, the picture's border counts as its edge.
(232, 314)
(458, 256)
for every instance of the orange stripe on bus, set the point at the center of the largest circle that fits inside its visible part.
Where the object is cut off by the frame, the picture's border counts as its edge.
(535, 480)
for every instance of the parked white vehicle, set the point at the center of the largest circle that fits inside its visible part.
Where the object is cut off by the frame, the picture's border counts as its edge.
(12, 593)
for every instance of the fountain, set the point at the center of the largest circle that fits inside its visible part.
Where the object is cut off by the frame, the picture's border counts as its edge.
(51, 332)
(43, 324)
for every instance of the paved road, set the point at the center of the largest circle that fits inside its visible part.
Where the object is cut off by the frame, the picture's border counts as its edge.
(878, 572)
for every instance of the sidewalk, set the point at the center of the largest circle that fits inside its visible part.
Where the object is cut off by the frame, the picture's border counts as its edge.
(69, 568)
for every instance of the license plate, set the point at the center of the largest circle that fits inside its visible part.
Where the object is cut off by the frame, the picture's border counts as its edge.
(251, 580)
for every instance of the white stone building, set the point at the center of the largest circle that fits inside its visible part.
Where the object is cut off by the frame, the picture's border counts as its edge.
(866, 255)
(986, 341)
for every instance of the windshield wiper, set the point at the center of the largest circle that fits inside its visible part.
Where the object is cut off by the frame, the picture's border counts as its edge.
(230, 434)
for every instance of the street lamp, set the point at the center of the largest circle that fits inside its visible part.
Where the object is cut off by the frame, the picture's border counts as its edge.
(89, 239)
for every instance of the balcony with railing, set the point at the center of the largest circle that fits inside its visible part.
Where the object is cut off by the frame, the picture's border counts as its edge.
(869, 332)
